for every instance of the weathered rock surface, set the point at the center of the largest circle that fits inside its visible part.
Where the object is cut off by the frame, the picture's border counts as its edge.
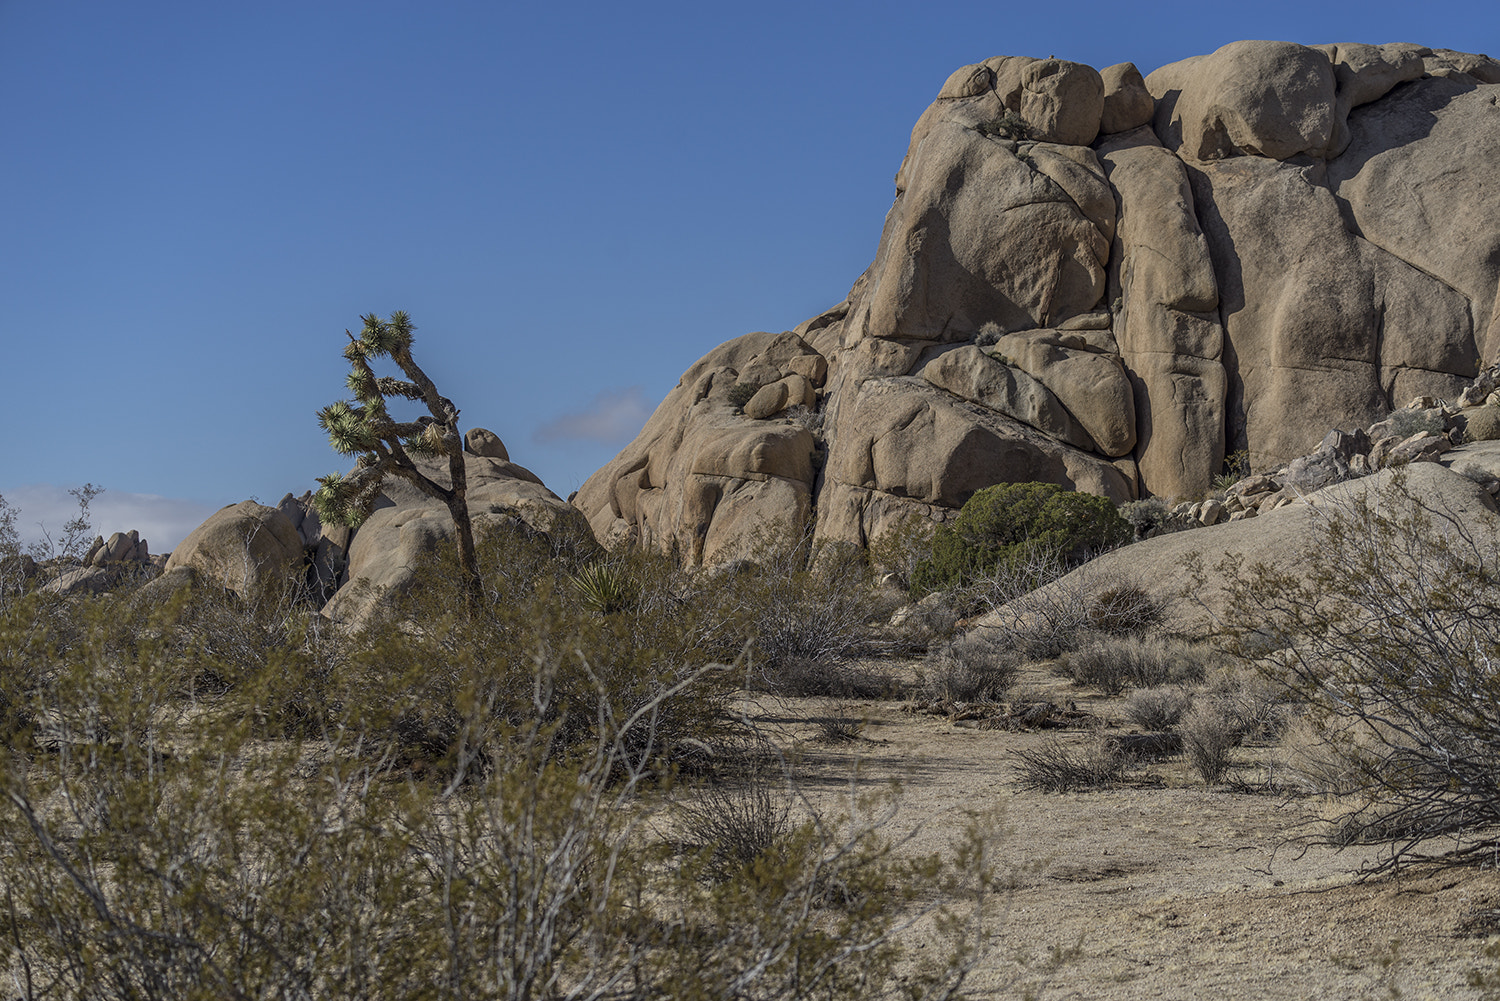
(701, 475)
(1288, 538)
(1112, 282)
(244, 548)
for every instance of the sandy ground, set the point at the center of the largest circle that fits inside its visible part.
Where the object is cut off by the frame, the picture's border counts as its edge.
(1162, 887)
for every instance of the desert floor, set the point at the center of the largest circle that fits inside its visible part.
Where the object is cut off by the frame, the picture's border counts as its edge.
(1160, 887)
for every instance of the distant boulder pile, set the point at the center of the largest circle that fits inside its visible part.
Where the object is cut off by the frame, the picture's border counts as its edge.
(107, 563)
(1110, 282)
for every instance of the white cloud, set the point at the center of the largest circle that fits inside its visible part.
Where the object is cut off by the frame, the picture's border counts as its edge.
(612, 419)
(162, 521)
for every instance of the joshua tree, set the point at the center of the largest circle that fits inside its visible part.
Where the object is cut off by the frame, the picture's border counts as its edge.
(384, 446)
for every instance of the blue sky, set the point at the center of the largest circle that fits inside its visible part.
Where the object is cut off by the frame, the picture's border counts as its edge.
(573, 201)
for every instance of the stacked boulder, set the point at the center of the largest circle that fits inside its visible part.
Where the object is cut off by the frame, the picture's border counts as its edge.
(106, 564)
(1109, 282)
(121, 547)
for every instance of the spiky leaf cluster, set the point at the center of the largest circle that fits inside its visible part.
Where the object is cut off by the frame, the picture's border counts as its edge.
(363, 427)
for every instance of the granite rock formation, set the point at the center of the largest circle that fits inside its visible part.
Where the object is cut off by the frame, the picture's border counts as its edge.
(1106, 281)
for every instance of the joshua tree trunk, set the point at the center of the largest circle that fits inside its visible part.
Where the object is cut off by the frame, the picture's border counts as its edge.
(463, 530)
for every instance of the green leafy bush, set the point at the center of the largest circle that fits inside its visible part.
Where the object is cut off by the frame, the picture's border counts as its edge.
(1009, 524)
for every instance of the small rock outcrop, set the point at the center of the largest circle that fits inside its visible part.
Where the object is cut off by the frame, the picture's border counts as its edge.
(121, 547)
(247, 546)
(1111, 281)
(106, 564)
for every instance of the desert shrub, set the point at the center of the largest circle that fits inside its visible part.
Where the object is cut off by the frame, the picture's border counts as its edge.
(798, 603)
(1114, 663)
(915, 628)
(839, 729)
(1258, 705)
(1406, 422)
(1122, 608)
(158, 844)
(1328, 761)
(738, 817)
(1158, 709)
(851, 679)
(1153, 516)
(1147, 746)
(1056, 766)
(807, 418)
(17, 568)
(740, 394)
(1389, 643)
(1209, 731)
(976, 667)
(1008, 525)
(1007, 125)
(897, 552)
(445, 679)
(1043, 607)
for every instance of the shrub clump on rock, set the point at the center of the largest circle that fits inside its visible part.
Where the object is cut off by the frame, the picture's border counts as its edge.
(1009, 524)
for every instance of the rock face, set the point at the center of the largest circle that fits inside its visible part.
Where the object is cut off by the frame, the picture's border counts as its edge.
(704, 473)
(1108, 282)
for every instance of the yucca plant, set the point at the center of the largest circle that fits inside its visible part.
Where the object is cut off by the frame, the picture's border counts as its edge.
(384, 446)
(603, 588)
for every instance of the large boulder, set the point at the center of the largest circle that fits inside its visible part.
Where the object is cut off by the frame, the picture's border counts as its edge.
(247, 548)
(704, 474)
(380, 557)
(1270, 99)
(1127, 103)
